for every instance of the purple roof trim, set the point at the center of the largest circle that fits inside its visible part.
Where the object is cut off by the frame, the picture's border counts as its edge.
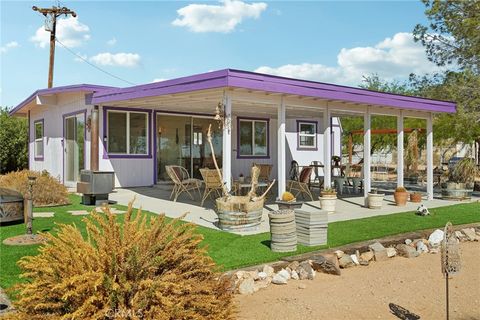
(263, 82)
(62, 89)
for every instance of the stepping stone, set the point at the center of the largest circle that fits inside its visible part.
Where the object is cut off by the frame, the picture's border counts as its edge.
(79, 212)
(43, 214)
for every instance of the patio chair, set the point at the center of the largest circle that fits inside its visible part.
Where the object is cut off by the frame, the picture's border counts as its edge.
(182, 181)
(213, 183)
(316, 170)
(302, 185)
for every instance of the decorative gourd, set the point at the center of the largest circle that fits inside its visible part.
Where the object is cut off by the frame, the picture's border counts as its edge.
(288, 196)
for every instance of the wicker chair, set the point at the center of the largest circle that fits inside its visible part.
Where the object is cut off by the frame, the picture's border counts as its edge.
(265, 171)
(182, 181)
(213, 183)
(302, 185)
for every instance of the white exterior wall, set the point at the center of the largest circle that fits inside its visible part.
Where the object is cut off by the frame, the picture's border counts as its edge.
(52, 116)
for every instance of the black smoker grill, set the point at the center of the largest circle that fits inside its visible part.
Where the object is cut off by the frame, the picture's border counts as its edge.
(95, 186)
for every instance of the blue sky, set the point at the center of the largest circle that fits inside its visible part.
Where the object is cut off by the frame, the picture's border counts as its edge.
(145, 41)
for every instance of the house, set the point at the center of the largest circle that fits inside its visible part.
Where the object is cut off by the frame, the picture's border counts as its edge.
(266, 119)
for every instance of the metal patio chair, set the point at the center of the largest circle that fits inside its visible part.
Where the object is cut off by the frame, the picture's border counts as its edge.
(302, 185)
(182, 181)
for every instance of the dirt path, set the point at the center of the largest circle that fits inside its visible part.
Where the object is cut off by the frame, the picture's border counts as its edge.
(365, 292)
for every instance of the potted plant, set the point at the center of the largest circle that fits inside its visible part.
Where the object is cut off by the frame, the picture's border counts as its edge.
(461, 179)
(375, 199)
(241, 178)
(400, 195)
(288, 201)
(416, 197)
(328, 199)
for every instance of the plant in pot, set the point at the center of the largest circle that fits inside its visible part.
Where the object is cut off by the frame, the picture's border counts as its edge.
(288, 201)
(375, 199)
(461, 179)
(400, 195)
(416, 197)
(241, 178)
(328, 199)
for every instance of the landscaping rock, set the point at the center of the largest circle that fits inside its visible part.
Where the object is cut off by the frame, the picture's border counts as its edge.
(364, 263)
(261, 284)
(408, 241)
(43, 214)
(346, 262)
(278, 279)
(379, 251)
(293, 265)
(421, 247)
(461, 236)
(252, 274)
(470, 233)
(247, 286)
(78, 212)
(295, 275)
(391, 252)
(268, 270)
(339, 253)
(407, 251)
(302, 286)
(284, 273)
(305, 271)
(436, 237)
(366, 256)
(326, 264)
(355, 259)
(262, 275)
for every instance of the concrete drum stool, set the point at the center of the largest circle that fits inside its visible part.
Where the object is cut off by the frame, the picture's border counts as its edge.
(283, 231)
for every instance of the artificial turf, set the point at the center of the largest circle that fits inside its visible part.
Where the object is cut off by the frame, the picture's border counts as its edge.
(232, 251)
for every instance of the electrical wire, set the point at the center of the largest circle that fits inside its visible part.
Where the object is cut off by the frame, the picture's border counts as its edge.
(91, 64)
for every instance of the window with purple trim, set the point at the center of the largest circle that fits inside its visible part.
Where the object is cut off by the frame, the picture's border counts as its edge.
(127, 132)
(253, 138)
(307, 135)
(38, 137)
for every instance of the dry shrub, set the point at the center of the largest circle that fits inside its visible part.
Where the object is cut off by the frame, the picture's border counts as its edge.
(145, 269)
(47, 190)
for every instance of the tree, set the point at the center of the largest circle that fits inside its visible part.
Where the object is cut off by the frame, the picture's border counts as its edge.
(13, 142)
(453, 35)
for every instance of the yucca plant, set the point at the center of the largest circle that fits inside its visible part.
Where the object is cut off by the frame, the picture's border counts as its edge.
(139, 269)
(464, 171)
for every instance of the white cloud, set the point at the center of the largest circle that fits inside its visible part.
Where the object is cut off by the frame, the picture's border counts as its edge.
(70, 32)
(7, 47)
(392, 58)
(112, 41)
(116, 59)
(217, 18)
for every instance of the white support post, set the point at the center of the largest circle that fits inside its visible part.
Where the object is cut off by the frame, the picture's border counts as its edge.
(227, 143)
(281, 149)
(400, 154)
(430, 157)
(366, 155)
(327, 149)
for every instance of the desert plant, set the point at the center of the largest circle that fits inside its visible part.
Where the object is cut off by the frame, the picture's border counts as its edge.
(400, 189)
(464, 171)
(288, 196)
(143, 268)
(329, 191)
(47, 190)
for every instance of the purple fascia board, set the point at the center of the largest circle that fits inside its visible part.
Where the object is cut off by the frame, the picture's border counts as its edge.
(210, 80)
(327, 91)
(62, 89)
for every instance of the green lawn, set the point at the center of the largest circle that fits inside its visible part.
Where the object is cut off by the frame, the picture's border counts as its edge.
(233, 251)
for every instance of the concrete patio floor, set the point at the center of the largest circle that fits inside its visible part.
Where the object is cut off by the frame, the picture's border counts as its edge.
(156, 199)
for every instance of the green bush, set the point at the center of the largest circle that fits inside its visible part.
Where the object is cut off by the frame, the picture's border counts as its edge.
(13, 142)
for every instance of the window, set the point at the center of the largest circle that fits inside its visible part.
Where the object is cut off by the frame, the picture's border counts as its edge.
(253, 138)
(38, 136)
(127, 132)
(307, 135)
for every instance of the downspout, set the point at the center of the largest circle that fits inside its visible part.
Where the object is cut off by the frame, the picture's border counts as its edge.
(94, 140)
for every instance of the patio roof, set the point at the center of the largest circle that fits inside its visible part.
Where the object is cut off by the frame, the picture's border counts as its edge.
(274, 84)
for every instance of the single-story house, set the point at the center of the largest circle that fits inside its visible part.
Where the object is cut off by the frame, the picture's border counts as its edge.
(255, 118)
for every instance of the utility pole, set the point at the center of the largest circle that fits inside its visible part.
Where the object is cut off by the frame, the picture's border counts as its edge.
(51, 15)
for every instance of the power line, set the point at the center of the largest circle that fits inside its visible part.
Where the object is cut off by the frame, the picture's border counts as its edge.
(92, 65)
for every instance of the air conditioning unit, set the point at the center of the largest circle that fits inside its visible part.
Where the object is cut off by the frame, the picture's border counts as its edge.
(95, 186)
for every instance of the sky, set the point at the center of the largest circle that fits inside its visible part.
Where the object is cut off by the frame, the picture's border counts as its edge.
(142, 42)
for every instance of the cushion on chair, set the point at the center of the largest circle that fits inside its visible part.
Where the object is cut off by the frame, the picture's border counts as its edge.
(178, 172)
(305, 175)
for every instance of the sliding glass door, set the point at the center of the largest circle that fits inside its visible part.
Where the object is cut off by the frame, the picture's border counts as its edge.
(182, 140)
(74, 142)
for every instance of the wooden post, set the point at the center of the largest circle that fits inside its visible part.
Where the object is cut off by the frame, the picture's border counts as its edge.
(281, 149)
(366, 155)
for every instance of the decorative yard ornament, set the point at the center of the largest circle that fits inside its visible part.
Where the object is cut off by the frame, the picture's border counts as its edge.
(450, 258)
(422, 210)
(29, 206)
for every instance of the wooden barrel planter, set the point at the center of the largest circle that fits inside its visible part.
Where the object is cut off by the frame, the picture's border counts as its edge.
(239, 213)
(283, 231)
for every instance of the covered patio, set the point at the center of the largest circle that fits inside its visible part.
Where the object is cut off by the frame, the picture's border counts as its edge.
(225, 98)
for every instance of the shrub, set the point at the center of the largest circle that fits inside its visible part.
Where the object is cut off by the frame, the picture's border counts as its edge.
(145, 268)
(13, 142)
(47, 191)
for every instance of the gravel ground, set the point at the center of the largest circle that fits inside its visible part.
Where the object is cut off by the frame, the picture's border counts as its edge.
(365, 292)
